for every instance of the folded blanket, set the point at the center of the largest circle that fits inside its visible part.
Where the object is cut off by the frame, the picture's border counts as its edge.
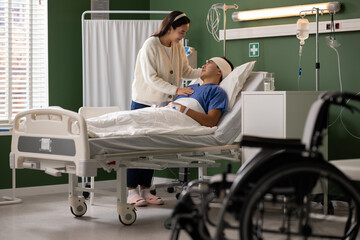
(146, 121)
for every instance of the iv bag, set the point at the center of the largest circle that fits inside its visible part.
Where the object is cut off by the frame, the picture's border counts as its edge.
(302, 30)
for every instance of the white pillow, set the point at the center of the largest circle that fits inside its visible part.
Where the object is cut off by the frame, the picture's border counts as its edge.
(234, 82)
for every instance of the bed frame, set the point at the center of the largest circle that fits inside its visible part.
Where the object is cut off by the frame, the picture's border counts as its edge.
(44, 139)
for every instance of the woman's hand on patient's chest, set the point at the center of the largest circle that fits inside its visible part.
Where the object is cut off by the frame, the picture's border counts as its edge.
(184, 91)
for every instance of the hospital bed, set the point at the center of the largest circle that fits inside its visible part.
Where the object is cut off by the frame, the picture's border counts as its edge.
(43, 139)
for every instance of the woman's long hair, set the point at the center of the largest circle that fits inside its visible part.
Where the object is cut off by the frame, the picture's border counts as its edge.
(169, 22)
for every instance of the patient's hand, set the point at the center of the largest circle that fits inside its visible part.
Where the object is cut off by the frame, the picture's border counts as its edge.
(184, 91)
(182, 107)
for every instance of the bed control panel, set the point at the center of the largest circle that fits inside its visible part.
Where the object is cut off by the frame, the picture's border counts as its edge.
(45, 144)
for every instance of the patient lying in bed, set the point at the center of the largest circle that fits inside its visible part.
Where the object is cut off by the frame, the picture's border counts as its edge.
(197, 113)
(211, 98)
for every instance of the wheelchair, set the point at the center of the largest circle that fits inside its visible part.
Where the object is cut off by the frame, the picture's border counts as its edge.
(287, 191)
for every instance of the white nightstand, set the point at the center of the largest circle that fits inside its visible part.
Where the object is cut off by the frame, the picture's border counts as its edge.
(276, 114)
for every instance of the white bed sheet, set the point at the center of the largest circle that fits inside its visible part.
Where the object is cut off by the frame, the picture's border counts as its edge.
(146, 121)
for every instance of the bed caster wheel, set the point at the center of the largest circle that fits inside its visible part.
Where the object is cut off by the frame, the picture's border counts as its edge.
(79, 211)
(153, 191)
(78, 206)
(127, 214)
(128, 219)
(170, 190)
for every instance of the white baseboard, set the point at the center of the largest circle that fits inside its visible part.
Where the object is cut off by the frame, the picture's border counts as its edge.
(63, 188)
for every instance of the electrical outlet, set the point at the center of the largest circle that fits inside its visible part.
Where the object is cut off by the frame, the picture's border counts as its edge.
(328, 26)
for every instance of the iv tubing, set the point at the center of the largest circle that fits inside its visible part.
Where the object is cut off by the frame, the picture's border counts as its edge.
(212, 20)
(340, 80)
(340, 83)
(342, 122)
(300, 54)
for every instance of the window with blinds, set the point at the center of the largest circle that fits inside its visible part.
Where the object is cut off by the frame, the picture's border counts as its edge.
(23, 57)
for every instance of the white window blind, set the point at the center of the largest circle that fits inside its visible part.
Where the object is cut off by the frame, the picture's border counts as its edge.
(23, 57)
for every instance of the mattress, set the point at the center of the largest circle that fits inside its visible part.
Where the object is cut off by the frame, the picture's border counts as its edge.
(121, 144)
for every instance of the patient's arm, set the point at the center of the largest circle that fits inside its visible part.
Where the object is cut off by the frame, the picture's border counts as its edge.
(209, 120)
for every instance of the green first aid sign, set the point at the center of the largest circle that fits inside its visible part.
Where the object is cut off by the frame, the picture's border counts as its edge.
(253, 49)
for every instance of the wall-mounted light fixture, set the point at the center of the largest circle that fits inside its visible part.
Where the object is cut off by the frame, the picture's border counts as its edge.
(284, 11)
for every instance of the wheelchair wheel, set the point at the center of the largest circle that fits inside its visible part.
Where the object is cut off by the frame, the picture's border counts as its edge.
(281, 204)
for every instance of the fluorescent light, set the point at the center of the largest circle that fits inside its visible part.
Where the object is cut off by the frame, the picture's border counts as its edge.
(285, 11)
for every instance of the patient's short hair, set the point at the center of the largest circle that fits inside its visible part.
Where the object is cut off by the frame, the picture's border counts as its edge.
(228, 61)
(231, 65)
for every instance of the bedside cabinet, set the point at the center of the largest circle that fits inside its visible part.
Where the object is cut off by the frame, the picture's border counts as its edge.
(275, 114)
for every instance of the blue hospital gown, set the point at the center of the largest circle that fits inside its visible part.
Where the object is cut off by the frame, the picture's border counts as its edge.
(210, 96)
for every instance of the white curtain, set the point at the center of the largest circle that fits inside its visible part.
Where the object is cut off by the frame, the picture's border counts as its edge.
(110, 51)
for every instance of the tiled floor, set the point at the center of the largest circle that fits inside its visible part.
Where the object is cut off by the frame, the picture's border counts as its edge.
(48, 216)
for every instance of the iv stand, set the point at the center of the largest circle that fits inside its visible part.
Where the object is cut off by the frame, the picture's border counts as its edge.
(333, 7)
(317, 63)
(226, 7)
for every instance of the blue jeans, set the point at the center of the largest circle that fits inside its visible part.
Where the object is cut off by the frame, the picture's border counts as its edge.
(136, 176)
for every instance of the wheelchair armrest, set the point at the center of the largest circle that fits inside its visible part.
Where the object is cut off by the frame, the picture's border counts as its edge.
(273, 143)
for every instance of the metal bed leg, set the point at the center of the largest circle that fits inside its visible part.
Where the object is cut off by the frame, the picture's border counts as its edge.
(202, 172)
(73, 182)
(13, 199)
(77, 203)
(92, 193)
(84, 181)
(127, 214)
(121, 188)
(184, 175)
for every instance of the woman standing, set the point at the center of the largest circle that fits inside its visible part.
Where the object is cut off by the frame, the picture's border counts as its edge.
(160, 67)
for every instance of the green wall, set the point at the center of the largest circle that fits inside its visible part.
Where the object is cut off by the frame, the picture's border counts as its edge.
(280, 55)
(277, 55)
